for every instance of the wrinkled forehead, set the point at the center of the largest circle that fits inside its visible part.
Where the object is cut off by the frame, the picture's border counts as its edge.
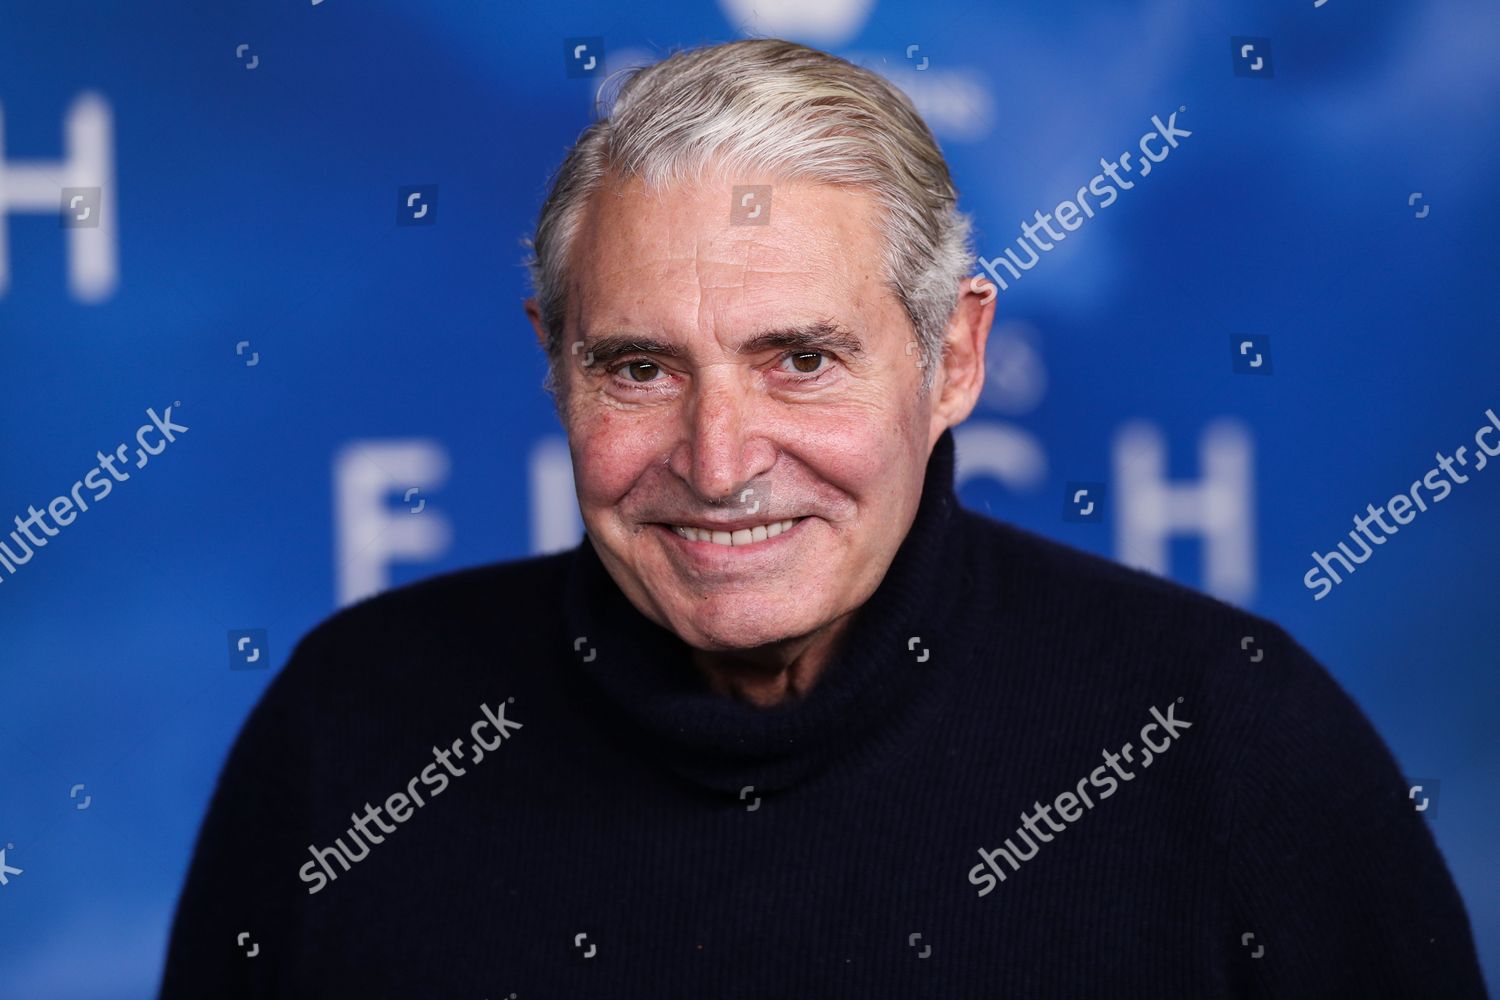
(725, 254)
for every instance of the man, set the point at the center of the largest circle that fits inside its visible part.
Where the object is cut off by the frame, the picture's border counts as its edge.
(790, 722)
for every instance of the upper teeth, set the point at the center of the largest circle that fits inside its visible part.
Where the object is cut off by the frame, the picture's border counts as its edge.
(744, 536)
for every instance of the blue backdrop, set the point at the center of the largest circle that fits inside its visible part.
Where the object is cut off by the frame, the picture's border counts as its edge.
(298, 225)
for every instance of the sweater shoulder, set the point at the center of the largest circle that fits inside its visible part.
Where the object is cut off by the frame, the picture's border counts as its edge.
(1120, 628)
(514, 587)
(439, 620)
(1062, 574)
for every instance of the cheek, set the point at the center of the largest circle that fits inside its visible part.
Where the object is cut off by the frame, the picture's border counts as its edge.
(610, 454)
(859, 436)
(863, 453)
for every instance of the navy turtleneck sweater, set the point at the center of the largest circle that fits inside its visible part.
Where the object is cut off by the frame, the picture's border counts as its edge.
(1027, 772)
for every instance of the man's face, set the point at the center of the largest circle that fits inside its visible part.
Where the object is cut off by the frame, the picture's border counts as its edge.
(776, 385)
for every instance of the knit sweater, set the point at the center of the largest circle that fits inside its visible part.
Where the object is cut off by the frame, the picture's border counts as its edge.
(1026, 772)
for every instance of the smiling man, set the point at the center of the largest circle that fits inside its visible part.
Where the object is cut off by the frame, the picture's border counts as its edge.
(789, 721)
(749, 438)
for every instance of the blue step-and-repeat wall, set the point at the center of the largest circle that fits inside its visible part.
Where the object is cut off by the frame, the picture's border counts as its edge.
(263, 353)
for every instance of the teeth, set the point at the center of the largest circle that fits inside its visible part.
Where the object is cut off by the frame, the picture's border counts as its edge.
(744, 536)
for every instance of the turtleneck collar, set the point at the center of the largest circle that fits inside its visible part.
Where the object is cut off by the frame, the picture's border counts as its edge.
(877, 687)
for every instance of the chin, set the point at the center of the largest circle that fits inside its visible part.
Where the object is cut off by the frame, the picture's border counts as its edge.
(740, 622)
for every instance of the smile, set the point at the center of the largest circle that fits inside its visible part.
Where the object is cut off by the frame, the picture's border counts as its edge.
(741, 536)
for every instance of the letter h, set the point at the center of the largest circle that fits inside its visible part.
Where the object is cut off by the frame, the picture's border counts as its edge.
(1149, 508)
(38, 186)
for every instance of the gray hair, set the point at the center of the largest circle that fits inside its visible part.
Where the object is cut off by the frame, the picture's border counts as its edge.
(770, 106)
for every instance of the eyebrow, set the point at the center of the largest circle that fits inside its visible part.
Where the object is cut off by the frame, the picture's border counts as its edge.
(817, 336)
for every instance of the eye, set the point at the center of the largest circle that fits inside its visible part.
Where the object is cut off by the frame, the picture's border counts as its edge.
(640, 370)
(807, 362)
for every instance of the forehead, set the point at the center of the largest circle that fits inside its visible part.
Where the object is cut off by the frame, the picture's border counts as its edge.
(676, 261)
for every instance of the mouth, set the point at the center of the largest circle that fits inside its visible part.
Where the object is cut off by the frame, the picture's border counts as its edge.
(741, 536)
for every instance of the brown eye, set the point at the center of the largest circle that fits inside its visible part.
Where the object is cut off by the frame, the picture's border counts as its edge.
(647, 369)
(807, 362)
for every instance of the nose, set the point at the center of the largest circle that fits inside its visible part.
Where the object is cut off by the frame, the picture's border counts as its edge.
(724, 447)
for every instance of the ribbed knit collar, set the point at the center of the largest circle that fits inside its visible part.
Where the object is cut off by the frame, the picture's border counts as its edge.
(879, 686)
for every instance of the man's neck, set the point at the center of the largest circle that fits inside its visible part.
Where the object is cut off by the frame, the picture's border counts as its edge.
(775, 673)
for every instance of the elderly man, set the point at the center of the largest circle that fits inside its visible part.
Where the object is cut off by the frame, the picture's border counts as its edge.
(790, 722)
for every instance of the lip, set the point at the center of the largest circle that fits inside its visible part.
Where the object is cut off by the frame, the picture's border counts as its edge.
(713, 551)
(732, 526)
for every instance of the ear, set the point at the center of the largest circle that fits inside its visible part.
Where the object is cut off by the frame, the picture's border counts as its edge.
(534, 314)
(961, 377)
